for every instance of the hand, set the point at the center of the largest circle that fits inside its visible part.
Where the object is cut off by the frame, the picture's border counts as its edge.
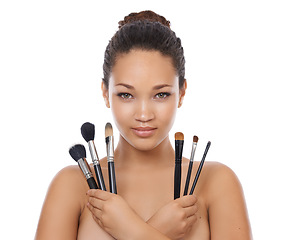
(113, 214)
(176, 218)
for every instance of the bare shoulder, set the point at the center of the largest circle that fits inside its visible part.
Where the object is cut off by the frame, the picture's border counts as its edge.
(69, 180)
(219, 180)
(218, 167)
(221, 176)
(70, 174)
(70, 183)
(226, 204)
(63, 205)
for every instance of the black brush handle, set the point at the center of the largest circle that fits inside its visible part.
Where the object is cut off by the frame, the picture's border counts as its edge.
(177, 172)
(188, 178)
(177, 179)
(92, 183)
(100, 178)
(112, 177)
(199, 168)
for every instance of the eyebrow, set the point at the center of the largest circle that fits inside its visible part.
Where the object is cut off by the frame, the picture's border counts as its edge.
(155, 87)
(161, 86)
(125, 85)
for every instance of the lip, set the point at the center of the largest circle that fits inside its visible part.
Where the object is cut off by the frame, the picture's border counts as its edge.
(144, 131)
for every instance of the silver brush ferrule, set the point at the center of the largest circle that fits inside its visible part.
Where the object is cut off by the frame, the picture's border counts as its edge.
(194, 144)
(84, 166)
(110, 148)
(93, 152)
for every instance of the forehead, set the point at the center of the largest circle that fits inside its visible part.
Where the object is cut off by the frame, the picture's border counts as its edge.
(139, 67)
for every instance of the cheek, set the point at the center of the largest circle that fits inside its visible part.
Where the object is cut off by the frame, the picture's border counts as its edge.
(122, 112)
(166, 112)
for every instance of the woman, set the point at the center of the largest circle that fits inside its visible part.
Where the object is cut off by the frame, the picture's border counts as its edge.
(144, 85)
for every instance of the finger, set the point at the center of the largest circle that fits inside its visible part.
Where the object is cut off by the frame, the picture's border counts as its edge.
(190, 211)
(100, 194)
(96, 203)
(98, 221)
(190, 223)
(187, 201)
(95, 212)
(191, 220)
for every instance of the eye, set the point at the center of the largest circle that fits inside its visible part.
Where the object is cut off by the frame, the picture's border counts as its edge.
(162, 95)
(125, 95)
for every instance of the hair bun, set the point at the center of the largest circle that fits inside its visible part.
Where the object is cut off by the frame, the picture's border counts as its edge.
(144, 15)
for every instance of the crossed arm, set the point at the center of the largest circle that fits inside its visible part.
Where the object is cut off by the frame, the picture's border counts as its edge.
(114, 215)
(63, 206)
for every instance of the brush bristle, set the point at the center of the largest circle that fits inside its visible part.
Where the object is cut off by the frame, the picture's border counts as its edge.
(179, 136)
(195, 139)
(77, 152)
(88, 131)
(108, 130)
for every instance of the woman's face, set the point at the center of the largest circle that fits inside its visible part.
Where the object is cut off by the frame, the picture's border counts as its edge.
(144, 95)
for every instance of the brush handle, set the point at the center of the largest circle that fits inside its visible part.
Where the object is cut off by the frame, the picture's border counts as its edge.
(177, 179)
(112, 177)
(199, 168)
(177, 172)
(100, 178)
(92, 183)
(188, 178)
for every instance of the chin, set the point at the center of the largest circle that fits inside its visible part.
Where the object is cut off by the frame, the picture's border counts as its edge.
(144, 147)
(144, 144)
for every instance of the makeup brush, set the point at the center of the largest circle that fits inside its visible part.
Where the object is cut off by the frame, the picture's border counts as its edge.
(199, 168)
(110, 157)
(88, 133)
(78, 153)
(194, 144)
(179, 141)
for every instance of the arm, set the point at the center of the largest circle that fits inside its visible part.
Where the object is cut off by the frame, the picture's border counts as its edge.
(62, 206)
(228, 217)
(116, 217)
(176, 218)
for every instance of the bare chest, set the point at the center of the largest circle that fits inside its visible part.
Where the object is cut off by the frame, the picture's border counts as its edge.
(146, 195)
(90, 230)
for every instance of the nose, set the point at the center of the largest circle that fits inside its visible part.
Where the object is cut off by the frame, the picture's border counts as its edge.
(144, 111)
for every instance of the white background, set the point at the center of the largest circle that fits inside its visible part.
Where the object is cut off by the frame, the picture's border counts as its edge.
(237, 67)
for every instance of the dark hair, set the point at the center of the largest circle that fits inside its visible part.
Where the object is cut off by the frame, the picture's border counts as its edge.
(149, 31)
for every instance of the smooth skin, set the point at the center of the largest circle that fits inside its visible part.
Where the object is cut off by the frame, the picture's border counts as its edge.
(144, 92)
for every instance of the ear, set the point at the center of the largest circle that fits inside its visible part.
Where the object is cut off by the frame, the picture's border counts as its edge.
(105, 91)
(182, 93)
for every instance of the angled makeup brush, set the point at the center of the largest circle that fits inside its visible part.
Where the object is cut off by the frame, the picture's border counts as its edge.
(110, 157)
(88, 133)
(194, 144)
(199, 168)
(179, 141)
(78, 153)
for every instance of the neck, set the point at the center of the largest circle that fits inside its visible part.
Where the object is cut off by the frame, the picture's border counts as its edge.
(130, 157)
